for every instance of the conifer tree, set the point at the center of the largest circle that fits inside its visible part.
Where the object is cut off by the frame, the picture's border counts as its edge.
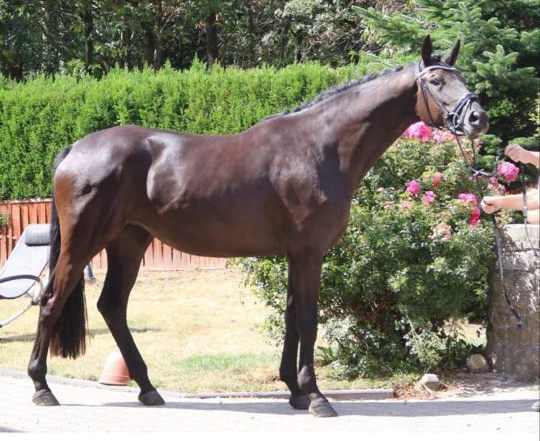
(500, 50)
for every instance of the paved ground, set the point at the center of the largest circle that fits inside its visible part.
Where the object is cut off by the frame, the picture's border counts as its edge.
(87, 407)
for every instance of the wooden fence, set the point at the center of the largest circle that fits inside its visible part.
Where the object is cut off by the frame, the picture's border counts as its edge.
(16, 215)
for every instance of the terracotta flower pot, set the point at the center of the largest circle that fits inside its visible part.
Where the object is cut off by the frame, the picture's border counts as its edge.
(115, 371)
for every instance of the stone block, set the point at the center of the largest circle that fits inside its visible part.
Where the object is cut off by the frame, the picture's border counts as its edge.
(515, 350)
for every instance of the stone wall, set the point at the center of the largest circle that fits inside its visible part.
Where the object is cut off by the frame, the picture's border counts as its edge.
(514, 350)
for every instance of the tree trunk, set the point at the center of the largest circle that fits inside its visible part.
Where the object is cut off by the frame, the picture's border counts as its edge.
(284, 40)
(211, 39)
(252, 35)
(127, 59)
(88, 22)
(149, 43)
(157, 52)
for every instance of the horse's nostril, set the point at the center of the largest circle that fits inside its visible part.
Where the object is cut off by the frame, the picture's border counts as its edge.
(474, 117)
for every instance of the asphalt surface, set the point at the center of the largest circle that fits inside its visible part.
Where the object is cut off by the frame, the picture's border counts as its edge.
(88, 407)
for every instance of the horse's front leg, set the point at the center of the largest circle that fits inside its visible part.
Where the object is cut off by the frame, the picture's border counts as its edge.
(306, 273)
(288, 369)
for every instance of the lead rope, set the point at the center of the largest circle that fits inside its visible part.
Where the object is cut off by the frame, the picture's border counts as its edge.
(496, 230)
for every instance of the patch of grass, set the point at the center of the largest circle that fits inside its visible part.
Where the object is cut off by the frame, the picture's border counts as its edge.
(198, 331)
(225, 362)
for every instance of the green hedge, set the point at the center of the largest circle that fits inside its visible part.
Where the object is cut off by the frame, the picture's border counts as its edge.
(40, 117)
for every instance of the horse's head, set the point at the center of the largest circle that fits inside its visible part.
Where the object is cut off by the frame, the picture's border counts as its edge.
(442, 99)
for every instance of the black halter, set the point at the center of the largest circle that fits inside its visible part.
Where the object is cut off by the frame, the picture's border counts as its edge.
(454, 118)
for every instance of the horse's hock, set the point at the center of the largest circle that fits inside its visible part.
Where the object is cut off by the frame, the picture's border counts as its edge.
(514, 350)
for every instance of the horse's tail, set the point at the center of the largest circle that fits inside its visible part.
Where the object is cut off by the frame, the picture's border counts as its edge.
(69, 334)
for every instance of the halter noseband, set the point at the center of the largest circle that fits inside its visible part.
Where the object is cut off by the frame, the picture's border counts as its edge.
(454, 119)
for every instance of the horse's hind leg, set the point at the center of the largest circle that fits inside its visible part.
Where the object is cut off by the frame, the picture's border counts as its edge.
(124, 255)
(287, 370)
(65, 283)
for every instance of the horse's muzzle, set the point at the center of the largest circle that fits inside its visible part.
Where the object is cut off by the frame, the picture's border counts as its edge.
(475, 121)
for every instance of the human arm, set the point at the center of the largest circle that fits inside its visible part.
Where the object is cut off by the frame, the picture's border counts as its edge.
(519, 154)
(491, 204)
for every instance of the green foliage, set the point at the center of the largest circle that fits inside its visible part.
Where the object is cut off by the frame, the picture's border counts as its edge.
(402, 271)
(43, 115)
(530, 143)
(49, 36)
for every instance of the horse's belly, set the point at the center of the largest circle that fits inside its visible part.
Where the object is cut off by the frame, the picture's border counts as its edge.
(221, 232)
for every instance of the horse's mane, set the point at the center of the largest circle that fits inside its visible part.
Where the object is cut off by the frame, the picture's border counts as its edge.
(338, 89)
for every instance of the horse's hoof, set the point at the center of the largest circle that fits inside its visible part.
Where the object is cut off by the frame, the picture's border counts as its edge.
(300, 402)
(45, 398)
(322, 409)
(152, 398)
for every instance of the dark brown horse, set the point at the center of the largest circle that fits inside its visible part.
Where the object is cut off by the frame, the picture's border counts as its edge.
(283, 187)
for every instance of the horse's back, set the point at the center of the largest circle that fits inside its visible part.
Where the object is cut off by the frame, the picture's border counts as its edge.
(209, 195)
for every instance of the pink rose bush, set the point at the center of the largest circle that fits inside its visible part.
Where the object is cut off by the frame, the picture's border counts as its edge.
(413, 187)
(424, 133)
(429, 197)
(469, 200)
(436, 180)
(495, 186)
(419, 131)
(440, 136)
(425, 189)
(508, 171)
(475, 215)
(466, 200)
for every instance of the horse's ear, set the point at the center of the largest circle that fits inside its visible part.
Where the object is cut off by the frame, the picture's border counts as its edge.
(427, 50)
(451, 58)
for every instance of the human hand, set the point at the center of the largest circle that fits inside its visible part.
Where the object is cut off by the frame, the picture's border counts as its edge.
(490, 204)
(517, 153)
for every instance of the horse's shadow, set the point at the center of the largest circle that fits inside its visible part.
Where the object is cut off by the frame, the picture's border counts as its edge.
(92, 333)
(382, 408)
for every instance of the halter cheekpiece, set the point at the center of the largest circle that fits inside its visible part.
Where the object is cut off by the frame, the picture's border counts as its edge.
(455, 118)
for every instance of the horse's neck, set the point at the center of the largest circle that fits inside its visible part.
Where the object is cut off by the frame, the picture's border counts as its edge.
(367, 119)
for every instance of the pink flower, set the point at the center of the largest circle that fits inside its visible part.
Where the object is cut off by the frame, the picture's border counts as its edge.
(419, 131)
(428, 198)
(468, 199)
(508, 170)
(440, 136)
(499, 188)
(475, 215)
(436, 179)
(413, 187)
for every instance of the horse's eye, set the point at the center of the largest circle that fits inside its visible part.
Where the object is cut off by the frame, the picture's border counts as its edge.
(434, 81)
